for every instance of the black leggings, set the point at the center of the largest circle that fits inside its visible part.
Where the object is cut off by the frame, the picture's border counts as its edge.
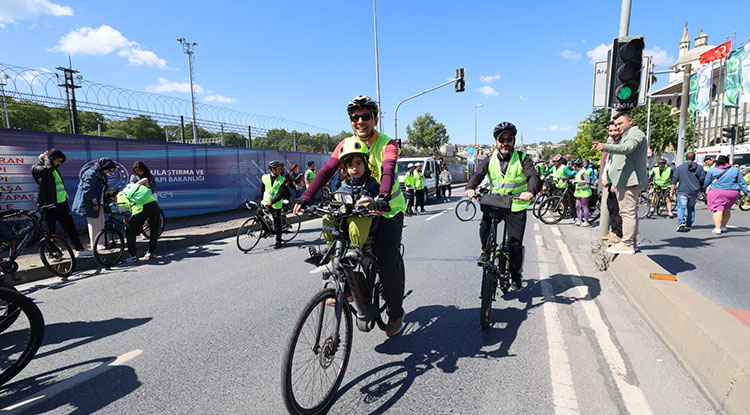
(151, 212)
(61, 213)
(387, 246)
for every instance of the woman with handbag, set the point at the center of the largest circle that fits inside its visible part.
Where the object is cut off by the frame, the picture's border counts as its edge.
(723, 183)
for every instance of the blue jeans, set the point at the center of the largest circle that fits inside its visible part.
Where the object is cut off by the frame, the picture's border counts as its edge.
(686, 200)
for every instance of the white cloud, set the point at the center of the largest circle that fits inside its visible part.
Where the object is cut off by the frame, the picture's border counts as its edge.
(140, 57)
(659, 56)
(488, 91)
(35, 76)
(12, 10)
(523, 97)
(598, 54)
(105, 40)
(555, 127)
(488, 79)
(569, 54)
(166, 85)
(219, 98)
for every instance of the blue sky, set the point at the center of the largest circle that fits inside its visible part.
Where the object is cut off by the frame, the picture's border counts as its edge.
(526, 62)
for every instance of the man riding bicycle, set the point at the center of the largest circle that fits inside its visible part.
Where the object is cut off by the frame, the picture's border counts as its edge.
(661, 177)
(510, 172)
(382, 158)
(274, 190)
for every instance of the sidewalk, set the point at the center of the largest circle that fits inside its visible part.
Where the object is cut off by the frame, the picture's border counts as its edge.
(178, 233)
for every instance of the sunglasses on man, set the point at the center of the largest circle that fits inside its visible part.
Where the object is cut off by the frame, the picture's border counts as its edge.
(505, 140)
(365, 117)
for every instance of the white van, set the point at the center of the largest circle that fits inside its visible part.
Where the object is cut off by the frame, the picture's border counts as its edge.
(429, 169)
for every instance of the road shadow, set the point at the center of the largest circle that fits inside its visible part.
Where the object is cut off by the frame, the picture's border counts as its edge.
(437, 337)
(73, 334)
(672, 263)
(100, 384)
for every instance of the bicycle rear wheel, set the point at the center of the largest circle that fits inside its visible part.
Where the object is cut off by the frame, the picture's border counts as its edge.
(552, 210)
(489, 285)
(538, 201)
(249, 234)
(146, 229)
(744, 203)
(289, 230)
(57, 256)
(465, 210)
(316, 356)
(7, 314)
(643, 205)
(22, 334)
(109, 247)
(595, 210)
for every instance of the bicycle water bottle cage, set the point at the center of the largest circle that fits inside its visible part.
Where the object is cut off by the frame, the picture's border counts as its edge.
(497, 204)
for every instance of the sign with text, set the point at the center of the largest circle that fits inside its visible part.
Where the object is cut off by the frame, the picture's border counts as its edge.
(470, 155)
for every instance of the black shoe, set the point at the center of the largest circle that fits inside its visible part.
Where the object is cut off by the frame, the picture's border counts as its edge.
(516, 284)
(422, 211)
(277, 245)
(484, 258)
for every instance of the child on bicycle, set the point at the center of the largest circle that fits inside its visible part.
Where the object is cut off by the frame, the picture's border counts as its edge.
(359, 181)
(142, 206)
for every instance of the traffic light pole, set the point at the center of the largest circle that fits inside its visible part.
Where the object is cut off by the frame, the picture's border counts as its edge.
(683, 113)
(395, 113)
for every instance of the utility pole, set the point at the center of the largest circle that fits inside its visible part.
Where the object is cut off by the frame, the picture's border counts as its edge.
(187, 47)
(70, 94)
(377, 66)
(249, 137)
(4, 81)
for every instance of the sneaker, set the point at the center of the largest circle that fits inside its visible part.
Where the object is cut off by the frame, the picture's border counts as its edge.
(394, 326)
(716, 231)
(621, 248)
(577, 223)
(131, 259)
(277, 245)
(585, 224)
(688, 228)
(723, 229)
(84, 253)
(516, 285)
(485, 257)
(148, 256)
(681, 227)
(671, 215)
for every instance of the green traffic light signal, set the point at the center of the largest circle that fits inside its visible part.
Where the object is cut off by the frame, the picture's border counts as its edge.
(625, 93)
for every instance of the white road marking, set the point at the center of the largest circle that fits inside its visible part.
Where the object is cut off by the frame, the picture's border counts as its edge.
(436, 215)
(563, 393)
(555, 230)
(631, 394)
(536, 227)
(69, 383)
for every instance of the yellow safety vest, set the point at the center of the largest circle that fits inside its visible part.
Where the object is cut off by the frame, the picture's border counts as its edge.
(62, 195)
(397, 202)
(272, 190)
(582, 189)
(513, 182)
(662, 179)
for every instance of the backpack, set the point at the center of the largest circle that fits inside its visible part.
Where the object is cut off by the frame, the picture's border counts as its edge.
(137, 194)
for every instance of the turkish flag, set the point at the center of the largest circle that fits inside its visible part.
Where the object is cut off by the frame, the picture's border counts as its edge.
(718, 52)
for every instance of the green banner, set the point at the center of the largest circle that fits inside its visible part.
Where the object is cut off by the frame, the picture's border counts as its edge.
(733, 79)
(693, 95)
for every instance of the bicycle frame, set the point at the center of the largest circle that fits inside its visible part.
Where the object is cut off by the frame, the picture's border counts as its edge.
(37, 226)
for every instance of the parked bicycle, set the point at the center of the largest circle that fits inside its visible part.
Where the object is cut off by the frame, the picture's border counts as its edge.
(20, 228)
(21, 331)
(496, 271)
(319, 348)
(743, 202)
(146, 228)
(110, 243)
(466, 209)
(261, 226)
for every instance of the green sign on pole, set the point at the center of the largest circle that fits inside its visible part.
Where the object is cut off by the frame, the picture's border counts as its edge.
(733, 80)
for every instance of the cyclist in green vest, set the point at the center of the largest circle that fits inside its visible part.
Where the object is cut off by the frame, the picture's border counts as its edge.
(746, 170)
(383, 157)
(275, 189)
(661, 177)
(582, 193)
(309, 174)
(409, 183)
(560, 174)
(142, 206)
(52, 192)
(419, 187)
(510, 172)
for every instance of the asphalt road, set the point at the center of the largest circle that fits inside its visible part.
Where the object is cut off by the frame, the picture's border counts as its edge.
(713, 265)
(203, 330)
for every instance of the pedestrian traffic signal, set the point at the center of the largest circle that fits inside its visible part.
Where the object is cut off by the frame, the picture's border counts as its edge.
(625, 72)
(728, 133)
(460, 80)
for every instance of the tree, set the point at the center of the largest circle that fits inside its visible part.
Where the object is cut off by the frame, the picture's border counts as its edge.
(28, 115)
(141, 127)
(664, 127)
(593, 128)
(235, 140)
(426, 133)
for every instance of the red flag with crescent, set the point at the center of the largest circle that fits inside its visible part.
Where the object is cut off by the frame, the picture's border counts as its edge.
(718, 52)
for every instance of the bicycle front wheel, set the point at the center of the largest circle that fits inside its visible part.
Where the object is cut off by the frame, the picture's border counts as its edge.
(317, 355)
(109, 247)
(552, 210)
(465, 210)
(289, 230)
(249, 234)
(744, 203)
(22, 334)
(57, 256)
(643, 206)
(489, 285)
(537, 201)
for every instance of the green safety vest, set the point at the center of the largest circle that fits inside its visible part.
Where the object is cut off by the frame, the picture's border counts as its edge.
(309, 176)
(418, 180)
(747, 178)
(560, 177)
(513, 182)
(589, 171)
(62, 195)
(397, 202)
(272, 190)
(662, 179)
(543, 169)
(582, 189)
(135, 192)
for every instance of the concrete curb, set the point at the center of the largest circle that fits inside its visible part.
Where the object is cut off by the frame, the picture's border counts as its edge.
(83, 264)
(710, 343)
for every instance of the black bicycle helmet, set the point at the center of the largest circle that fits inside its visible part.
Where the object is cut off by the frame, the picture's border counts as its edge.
(274, 163)
(504, 126)
(578, 162)
(362, 101)
(663, 161)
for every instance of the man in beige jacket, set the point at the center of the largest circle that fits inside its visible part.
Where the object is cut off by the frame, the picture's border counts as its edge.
(629, 177)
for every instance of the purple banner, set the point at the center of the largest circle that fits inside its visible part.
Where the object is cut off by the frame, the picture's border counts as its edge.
(190, 179)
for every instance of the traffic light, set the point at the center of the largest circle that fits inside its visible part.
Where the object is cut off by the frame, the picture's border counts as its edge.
(728, 133)
(625, 72)
(460, 80)
(742, 132)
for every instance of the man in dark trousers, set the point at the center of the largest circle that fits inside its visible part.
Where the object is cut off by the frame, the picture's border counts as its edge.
(52, 192)
(688, 180)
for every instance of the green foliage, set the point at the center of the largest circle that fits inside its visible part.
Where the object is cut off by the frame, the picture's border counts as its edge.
(593, 128)
(141, 127)
(427, 134)
(664, 127)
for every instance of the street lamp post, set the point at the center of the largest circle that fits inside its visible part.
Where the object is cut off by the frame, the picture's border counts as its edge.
(377, 66)
(188, 49)
(4, 81)
(475, 134)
